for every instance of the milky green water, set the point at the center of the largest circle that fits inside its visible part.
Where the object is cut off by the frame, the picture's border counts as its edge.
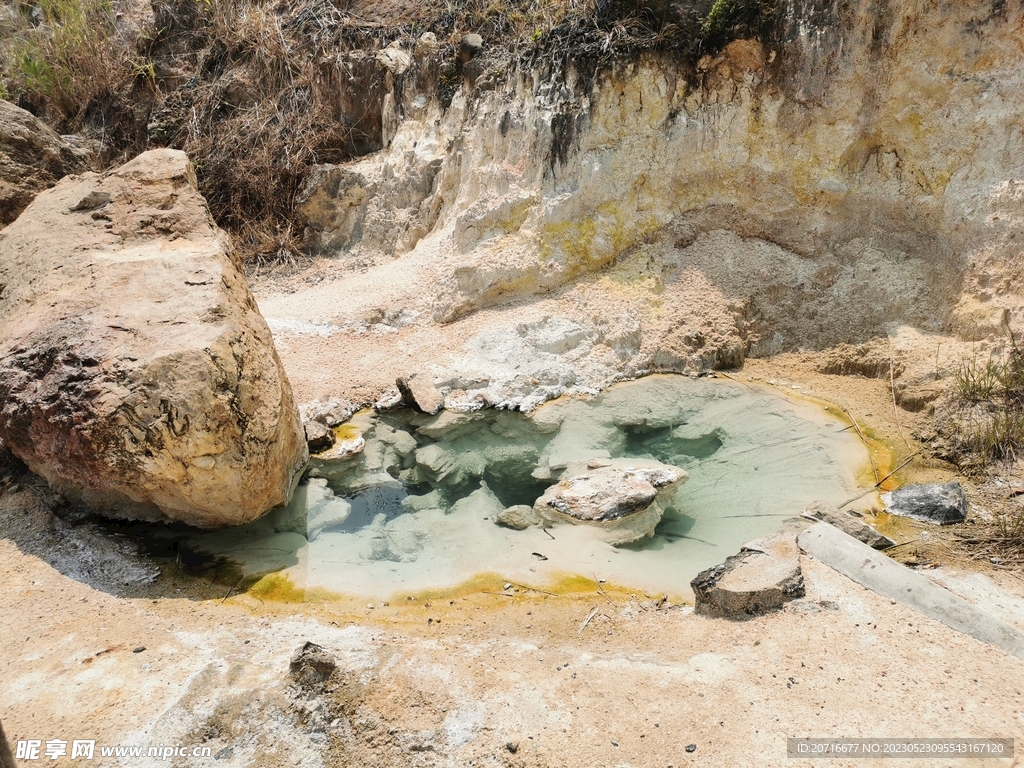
(415, 509)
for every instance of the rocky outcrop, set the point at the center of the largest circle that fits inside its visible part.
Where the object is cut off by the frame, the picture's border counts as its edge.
(136, 373)
(32, 158)
(934, 503)
(695, 215)
(420, 393)
(624, 497)
(318, 436)
(331, 208)
(330, 412)
(762, 577)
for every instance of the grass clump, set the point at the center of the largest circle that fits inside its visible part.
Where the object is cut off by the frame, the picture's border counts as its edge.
(989, 395)
(999, 541)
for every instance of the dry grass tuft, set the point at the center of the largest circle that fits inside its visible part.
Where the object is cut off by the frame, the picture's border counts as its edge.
(999, 541)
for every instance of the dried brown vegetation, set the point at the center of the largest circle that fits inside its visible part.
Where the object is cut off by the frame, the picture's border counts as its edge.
(258, 91)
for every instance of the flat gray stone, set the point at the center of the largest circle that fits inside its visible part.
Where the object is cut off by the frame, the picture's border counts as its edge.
(888, 578)
(762, 577)
(849, 523)
(934, 503)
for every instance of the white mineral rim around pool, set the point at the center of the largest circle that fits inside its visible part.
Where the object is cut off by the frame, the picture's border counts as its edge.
(755, 459)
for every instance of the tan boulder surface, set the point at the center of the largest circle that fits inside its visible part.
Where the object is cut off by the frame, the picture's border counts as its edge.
(32, 157)
(136, 373)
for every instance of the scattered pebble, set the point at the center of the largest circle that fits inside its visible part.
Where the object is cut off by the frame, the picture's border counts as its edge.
(139, 649)
(691, 747)
(512, 746)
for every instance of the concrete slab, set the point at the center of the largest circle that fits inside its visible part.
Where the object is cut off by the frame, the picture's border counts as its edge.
(879, 573)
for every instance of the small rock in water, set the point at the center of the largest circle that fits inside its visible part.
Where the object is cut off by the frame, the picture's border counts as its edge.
(330, 413)
(933, 503)
(625, 498)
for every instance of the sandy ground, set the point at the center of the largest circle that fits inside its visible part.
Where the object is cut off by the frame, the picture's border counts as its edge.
(96, 643)
(485, 679)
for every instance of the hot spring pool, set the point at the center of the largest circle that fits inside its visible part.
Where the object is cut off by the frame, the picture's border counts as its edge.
(415, 509)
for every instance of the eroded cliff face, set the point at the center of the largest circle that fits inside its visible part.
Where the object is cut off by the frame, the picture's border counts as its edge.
(859, 177)
(859, 174)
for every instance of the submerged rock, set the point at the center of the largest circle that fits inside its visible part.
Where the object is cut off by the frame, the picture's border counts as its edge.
(933, 503)
(324, 510)
(626, 498)
(763, 576)
(519, 518)
(848, 523)
(136, 373)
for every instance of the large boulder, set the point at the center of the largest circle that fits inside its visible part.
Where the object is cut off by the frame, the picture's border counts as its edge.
(136, 373)
(32, 158)
(624, 497)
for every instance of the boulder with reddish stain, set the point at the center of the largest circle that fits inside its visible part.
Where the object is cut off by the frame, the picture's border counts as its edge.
(137, 375)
